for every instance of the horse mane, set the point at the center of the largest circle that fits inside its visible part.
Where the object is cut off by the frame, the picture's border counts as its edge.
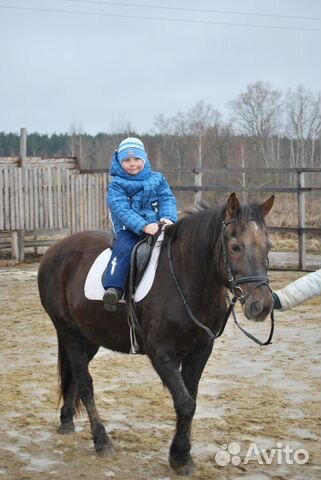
(199, 232)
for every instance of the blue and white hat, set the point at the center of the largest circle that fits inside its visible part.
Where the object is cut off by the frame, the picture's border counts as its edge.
(131, 147)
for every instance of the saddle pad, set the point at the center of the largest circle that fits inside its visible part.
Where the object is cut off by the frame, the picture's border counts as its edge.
(94, 289)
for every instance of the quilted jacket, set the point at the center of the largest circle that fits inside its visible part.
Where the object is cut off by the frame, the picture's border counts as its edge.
(300, 290)
(135, 201)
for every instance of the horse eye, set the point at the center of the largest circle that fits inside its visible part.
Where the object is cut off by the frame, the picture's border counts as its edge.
(236, 248)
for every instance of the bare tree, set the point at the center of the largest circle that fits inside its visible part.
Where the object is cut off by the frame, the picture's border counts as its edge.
(162, 125)
(120, 125)
(201, 121)
(174, 134)
(258, 115)
(303, 125)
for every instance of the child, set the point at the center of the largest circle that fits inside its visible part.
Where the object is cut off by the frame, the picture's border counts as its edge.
(299, 291)
(137, 198)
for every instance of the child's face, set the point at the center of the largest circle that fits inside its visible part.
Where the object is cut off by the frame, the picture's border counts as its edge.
(133, 165)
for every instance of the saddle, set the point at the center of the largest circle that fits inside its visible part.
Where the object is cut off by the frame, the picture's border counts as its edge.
(139, 260)
(143, 266)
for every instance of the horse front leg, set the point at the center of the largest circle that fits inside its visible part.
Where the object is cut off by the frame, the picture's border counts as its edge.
(193, 366)
(179, 456)
(191, 372)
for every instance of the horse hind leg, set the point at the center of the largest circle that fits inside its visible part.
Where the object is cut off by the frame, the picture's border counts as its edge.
(79, 353)
(68, 388)
(68, 392)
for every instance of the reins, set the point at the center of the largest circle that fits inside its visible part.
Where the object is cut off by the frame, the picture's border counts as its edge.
(248, 334)
(234, 287)
(187, 307)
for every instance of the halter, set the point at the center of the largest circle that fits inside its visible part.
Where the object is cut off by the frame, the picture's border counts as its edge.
(234, 287)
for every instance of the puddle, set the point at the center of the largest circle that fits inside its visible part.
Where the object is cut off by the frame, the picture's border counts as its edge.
(41, 464)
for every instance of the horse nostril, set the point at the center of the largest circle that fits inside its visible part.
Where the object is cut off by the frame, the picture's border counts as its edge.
(256, 308)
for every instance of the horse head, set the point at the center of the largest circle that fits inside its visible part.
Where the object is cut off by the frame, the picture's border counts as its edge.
(245, 246)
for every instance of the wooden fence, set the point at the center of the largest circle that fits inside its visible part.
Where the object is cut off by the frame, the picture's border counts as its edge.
(45, 201)
(39, 200)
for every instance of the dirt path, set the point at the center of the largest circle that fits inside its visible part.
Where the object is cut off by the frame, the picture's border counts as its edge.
(267, 396)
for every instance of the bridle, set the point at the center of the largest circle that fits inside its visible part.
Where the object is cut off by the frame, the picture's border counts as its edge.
(233, 283)
(233, 286)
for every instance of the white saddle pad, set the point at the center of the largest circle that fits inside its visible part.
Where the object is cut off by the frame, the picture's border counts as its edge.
(94, 289)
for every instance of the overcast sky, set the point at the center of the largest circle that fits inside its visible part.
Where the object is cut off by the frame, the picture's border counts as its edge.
(102, 70)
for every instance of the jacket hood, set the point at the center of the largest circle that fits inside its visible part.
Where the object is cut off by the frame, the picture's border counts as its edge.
(117, 170)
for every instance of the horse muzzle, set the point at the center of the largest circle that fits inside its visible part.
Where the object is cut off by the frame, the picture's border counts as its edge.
(258, 305)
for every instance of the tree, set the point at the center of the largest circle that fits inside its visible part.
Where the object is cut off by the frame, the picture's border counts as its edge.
(258, 115)
(303, 125)
(9, 144)
(189, 131)
(174, 134)
(200, 120)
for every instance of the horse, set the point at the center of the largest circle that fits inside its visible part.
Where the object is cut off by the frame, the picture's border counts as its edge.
(203, 255)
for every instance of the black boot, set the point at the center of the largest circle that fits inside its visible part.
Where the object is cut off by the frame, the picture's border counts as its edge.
(111, 298)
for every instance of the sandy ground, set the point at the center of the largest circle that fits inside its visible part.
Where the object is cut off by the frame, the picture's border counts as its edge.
(269, 396)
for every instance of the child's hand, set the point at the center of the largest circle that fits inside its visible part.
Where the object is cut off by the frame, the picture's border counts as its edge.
(166, 221)
(151, 228)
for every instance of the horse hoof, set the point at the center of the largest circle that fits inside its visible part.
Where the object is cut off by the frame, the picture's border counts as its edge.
(183, 468)
(65, 428)
(105, 450)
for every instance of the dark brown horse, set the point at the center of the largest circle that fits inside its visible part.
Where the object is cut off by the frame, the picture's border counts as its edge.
(211, 251)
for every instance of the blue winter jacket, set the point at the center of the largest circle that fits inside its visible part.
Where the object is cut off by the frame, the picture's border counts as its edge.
(135, 201)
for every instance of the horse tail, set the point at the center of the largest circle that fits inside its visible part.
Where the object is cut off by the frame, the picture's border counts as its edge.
(65, 376)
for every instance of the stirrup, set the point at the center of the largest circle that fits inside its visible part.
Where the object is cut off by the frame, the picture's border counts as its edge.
(110, 299)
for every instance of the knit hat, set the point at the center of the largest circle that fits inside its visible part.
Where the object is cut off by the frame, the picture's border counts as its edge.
(131, 147)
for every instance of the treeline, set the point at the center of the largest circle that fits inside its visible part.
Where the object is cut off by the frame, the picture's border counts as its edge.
(266, 128)
(55, 145)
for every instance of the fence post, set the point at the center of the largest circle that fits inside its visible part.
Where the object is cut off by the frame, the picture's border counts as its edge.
(301, 220)
(197, 183)
(18, 245)
(244, 194)
(23, 147)
(198, 175)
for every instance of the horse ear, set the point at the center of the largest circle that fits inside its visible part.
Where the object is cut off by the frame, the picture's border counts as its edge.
(267, 205)
(233, 206)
